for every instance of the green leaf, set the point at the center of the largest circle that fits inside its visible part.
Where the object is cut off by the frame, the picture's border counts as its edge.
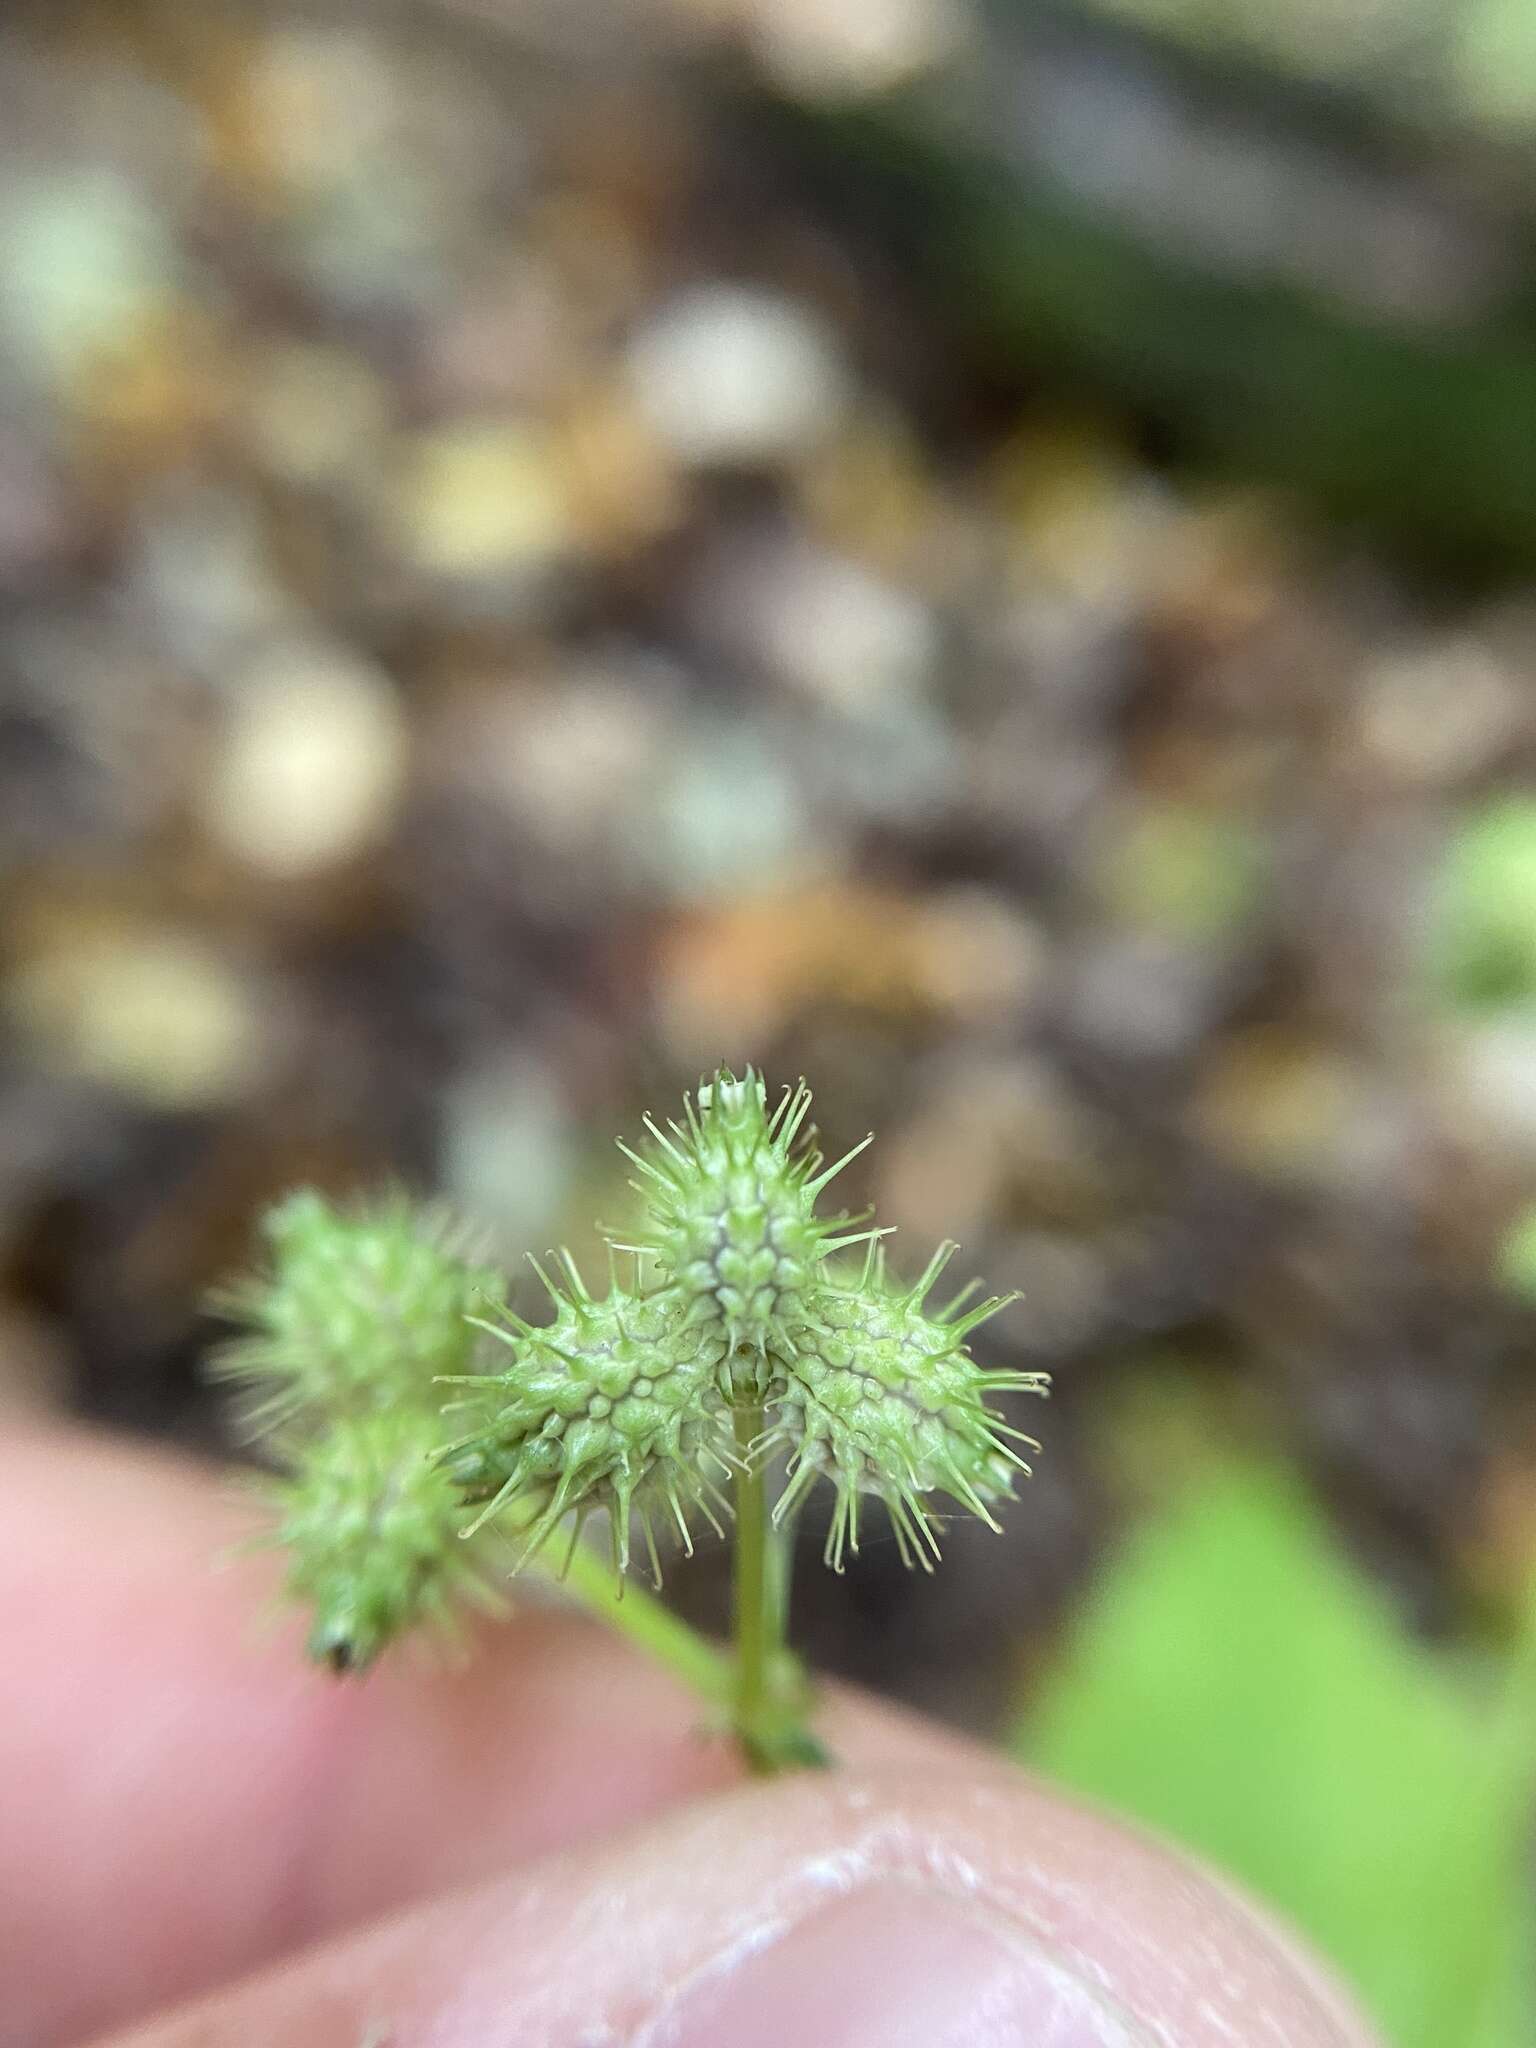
(1485, 926)
(1238, 1685)
(1516, 1262)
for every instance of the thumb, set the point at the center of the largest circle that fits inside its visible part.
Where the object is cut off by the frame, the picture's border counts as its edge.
(966, 1909)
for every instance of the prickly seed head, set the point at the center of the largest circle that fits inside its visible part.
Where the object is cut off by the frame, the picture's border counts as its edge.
(371, 1530)
(616, 1404)
(883, 1397)
(730, 1205)
(360, 1309)
(390, 1512)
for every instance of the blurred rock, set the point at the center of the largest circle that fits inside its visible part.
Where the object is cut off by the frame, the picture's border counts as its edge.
(726, 374)
(507, 1154)
(736, 977)
(574, 759)
(826, 627)
(1436, 715)
(862, 47)
(97, 737)
(620, 483)
(1142, 997)
(1488, 1078)
(324, 100)
(870, 496)
(1298, 1111)
(201, 575)
(310, 763)
(1078, 519)
(88, 261)
(727, 814)
(976, 955)
(155, 1013)
(34, 510)
(996, 1138)
(317, 415)
(479, 499)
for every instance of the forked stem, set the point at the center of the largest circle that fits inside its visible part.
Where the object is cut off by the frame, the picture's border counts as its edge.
(758, 1684)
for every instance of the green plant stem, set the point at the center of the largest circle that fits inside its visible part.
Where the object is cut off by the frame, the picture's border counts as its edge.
(781, 1565)
(759, 1686)
(750, 1608)
(769, 1695)
(643, 1620)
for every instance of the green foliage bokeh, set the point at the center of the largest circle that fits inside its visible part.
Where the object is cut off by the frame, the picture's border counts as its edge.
(1238, 1685)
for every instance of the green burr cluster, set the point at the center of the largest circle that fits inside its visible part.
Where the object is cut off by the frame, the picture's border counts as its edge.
(741, 1341)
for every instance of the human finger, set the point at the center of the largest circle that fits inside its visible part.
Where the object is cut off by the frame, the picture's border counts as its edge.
(960, 1907)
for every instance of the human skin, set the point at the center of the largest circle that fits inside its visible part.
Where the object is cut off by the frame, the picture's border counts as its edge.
(202, 1842)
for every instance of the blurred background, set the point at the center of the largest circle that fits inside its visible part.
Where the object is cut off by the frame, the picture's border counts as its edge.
(986, 556)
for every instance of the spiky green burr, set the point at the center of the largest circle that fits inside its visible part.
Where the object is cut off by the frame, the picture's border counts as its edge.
(359, 1309)
(730, 1206)
(883, 1398)
(615, 1404)
(742, 1349)
(371, 1530)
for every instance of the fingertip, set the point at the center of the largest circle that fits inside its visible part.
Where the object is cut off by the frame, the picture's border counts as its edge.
(197, 1801)
(176, 1778)
(974, 1910)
